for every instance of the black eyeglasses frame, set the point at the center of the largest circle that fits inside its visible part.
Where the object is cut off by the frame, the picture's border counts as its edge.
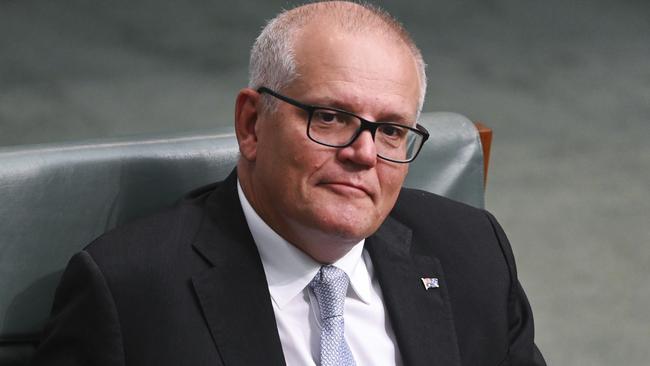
(365, 124)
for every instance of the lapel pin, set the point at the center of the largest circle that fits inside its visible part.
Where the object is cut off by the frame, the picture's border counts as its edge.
(430, 283)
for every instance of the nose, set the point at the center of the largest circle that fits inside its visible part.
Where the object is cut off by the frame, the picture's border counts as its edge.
(361, 152)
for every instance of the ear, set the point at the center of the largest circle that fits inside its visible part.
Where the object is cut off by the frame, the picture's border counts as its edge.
(246, 115)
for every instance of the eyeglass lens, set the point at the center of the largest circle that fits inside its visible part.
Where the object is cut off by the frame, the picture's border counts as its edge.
(339, 129)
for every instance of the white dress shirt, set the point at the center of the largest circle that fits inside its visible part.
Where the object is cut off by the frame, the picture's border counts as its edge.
(288, 272)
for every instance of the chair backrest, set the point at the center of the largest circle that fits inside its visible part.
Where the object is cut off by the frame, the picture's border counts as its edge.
(54, 199)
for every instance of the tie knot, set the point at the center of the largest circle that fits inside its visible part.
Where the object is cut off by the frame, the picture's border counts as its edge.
(330, 286)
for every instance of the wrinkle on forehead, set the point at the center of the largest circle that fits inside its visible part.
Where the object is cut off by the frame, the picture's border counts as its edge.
(383, 104)
(356, 72)
(333, 89)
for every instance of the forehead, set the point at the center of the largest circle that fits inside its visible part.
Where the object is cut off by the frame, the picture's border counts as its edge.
(360, 69)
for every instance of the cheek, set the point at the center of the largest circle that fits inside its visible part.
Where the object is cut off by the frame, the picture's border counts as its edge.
(295, 168)
(391, 178)
(279, 147)
(309, 160)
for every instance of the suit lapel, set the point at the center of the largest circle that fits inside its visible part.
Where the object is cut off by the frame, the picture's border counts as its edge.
(233, 294)
(421, 318)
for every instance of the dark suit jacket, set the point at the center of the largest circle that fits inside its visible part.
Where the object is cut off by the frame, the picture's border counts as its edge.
(187, 287)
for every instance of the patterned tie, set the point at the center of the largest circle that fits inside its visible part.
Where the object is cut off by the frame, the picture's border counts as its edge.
(330, 285)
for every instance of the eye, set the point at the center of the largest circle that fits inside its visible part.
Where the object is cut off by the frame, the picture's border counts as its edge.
(390, 131)
(325, 116)
(330, 118)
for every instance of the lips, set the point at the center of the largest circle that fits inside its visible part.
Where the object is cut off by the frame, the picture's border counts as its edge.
(347, 188)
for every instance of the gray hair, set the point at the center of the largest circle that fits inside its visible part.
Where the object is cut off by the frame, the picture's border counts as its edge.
(272, 60)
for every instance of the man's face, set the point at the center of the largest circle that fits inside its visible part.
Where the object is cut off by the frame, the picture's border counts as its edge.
(309, 192)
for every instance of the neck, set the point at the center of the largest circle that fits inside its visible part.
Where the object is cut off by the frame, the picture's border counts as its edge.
(324, 248)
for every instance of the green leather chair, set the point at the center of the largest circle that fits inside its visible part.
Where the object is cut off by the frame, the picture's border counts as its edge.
(54, 199)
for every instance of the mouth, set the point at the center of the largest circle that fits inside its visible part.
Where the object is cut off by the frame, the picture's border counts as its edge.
(347, 188)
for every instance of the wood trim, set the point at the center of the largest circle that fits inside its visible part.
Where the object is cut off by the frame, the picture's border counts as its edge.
(485, 134)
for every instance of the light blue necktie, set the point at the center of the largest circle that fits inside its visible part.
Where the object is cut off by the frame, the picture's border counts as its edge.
(330, 286)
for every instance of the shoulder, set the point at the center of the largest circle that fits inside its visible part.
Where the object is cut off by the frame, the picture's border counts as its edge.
(415, 207)
(479, 272)
(458, 234)
(155, 238)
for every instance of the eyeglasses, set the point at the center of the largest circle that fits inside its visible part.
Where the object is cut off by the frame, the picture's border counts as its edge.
(338, 128)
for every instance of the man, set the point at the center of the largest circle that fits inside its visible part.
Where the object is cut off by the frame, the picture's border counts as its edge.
(305, 255)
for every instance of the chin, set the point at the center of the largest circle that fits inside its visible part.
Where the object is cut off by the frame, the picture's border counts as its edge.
(349, 226)
(331, 213)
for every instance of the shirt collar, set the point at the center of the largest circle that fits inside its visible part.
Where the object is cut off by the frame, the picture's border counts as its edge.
(289, 270)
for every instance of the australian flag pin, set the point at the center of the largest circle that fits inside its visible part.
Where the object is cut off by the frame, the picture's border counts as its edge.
(430, 283)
